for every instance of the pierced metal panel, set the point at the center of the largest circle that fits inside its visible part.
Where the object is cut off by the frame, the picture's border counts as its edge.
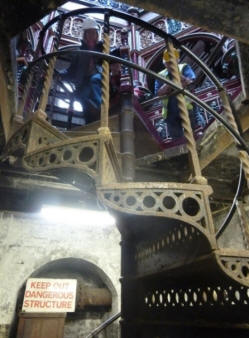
(42, 134)
(184, 202)
(80, 153)
(175, 237)
(236, 267)
(207, 300)
(175, 247)
(201, 291)
(33, 135)
(17, 144)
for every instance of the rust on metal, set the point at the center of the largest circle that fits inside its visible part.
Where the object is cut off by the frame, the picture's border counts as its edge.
(188, 132)
(91, 297)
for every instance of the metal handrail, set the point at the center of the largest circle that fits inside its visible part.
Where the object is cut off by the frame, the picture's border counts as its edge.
(241, 142)
(235, 133)
(140, 23)
(104, 325)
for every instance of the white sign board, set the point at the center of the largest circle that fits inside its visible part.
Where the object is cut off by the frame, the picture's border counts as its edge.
(49, 295)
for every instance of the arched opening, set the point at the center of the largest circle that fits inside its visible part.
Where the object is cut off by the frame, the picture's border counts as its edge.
(96, 296)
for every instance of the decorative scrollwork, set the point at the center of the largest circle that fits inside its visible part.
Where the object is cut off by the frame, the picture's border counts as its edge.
(118, 38)
(174, 26)
(146, 39)
(77, 28)
(67, 26)
(161, 24)
(73, 27)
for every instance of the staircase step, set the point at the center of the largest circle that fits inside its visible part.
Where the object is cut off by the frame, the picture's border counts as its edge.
(91, 155)
(33, 135)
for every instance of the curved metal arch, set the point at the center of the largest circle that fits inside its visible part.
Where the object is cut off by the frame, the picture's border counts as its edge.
(205, 38)
(177, 89)
(136, 21)
(228, 52)
(231, 212)
(110, 12)
(154, 57)
(181, 39)
(204, 35)
(31, 35)
(141, 23)
(69, 47)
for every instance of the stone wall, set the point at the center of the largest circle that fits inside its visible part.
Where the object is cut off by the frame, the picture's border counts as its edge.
(4, 331)
(29, 242)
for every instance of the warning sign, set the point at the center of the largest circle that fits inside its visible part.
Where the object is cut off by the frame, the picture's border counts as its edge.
(49, 295)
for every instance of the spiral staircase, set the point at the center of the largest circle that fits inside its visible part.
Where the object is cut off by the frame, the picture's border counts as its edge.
(175, 280)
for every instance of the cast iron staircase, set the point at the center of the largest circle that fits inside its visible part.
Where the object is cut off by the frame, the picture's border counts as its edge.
(175, 280)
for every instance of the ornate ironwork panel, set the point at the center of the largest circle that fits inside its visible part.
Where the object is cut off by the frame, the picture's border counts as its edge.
(33, 135)
(236, 266)
(207, 300)
(184, 202)
(81, 153)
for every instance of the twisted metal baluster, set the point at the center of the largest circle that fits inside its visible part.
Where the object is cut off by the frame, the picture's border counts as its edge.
(38, 73)
(26, 89)
(104, 131)
(105, 76)
(243, 155)
(28, 85)
(194, 160)
(50, 70)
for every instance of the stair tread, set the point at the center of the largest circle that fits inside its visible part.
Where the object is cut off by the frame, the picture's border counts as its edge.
(205, 267)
